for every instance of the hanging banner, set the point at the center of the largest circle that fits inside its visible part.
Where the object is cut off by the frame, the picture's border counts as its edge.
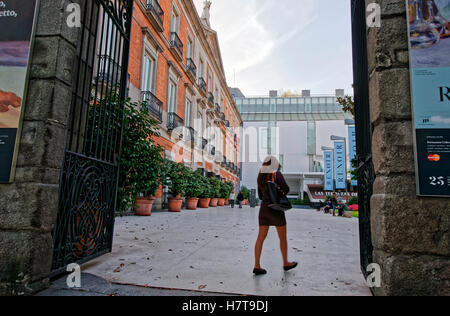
(429, 41)
(328, 178)
(340, 168)
(16, 32)
(352, 149)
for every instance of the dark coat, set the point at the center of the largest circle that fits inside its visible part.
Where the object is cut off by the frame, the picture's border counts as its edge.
(267, 216)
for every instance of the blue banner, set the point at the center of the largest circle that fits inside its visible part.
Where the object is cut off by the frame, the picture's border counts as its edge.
(340, 168)
(352, 149)
(328, 179)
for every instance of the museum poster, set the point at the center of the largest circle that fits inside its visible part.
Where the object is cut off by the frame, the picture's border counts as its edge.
(340, 168)
(429, 41)
(329, 179)
(16, 29)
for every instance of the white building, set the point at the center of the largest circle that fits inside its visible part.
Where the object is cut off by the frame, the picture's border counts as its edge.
(292, 128)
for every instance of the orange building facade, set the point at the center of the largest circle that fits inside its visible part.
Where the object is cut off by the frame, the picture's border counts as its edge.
(176, 67)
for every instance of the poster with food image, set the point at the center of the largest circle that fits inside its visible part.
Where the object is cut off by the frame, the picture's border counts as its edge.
(429, 41)
(16, 25)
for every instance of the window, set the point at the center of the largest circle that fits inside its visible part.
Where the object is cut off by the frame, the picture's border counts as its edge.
(199, 123)
(172, 97)
(189, 49)
(148, 78)
(210, 88)
(187, 113)
(175, 21)
(202, 68)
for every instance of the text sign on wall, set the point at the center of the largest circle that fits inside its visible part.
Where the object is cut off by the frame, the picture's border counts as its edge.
(340, 168)
(329, 179)
(16, 29)
(352, 148)
(429, 40)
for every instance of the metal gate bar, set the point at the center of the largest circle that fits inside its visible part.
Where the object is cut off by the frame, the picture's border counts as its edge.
(89, 177)
(366, 174)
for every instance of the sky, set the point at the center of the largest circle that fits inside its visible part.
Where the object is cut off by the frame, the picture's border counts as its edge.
(284, 44)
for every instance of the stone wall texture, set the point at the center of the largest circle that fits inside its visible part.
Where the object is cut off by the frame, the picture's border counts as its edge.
(29, 205)
(411, 235)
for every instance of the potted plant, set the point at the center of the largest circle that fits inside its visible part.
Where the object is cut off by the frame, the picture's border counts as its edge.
(246, 194)
(205, 195)
(194, 189)
(176, 175)
(140, 161)
(222, 194)
(230, 188)
(215, 191)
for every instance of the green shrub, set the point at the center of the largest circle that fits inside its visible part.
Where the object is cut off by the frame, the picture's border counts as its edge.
(245, 192)
(195, 184)
(215, 186)
(141, 160)
(175, 177)
(353, 201)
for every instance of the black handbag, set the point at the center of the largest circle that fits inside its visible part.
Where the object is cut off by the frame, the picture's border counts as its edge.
(279, 201)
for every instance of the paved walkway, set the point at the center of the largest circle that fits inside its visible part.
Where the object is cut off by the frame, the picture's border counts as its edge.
(212, 250)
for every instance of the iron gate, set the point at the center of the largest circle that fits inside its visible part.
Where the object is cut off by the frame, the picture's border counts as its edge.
(89, 177)
(366, 173)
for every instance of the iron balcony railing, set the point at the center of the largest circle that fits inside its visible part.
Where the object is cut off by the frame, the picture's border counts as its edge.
(217, 109)
(191, 67)
(109, 70)
(213, 151)
(210, 98)
(202, 84)
(227, 123)
(176, 43)
(154, 7)
(204, 143)
(174, 121)
(154, 104)
(222, 116)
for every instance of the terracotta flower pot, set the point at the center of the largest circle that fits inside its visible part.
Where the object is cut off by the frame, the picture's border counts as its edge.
(221, 202)
(143, 206)
(227, 202)
(214, 202)
(245, 202)
(204, 203)
(175, 204)
(191, 203)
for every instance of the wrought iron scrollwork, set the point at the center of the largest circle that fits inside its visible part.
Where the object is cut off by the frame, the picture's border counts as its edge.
(119, 10)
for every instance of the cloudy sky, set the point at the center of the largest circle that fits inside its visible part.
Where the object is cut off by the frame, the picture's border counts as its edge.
(284, 44)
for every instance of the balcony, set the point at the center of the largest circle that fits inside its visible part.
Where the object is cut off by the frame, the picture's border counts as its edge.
(176, 45)
(153, 103)
(155, 14)
(109, 71)
(202, 85)
(222, 116)
(174, 121)
(204, 143)
(217, 109)
(227, 123)
(210, 98)
(224, 161)
(191, 68)
(213, 151)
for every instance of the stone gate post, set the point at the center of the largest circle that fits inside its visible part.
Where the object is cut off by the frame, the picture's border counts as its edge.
(28, 206)
(411, 235)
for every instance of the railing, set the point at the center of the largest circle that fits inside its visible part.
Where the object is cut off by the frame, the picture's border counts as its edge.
(153, 6)
(210, 98)
(213, 151)
(154, 104)
(217, 109)
(109, 70)
(202, 84)
(222, 116)
(227, 123)
(174, 121)
(176, 43)
(204, 143)
(191, 67)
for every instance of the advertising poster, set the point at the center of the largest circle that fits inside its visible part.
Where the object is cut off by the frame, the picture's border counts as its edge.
(16, 29)
(329, 179)
(340, 168)
(429, 39)
(352, 149)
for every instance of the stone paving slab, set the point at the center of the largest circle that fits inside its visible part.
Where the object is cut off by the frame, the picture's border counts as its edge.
(212, 250)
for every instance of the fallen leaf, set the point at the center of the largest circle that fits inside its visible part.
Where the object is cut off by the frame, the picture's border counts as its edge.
(201, 287)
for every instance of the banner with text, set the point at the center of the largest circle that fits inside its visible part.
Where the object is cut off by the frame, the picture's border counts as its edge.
(16, 25)
(352, 149)
(328, 178)
(429, 39)
(340, 168)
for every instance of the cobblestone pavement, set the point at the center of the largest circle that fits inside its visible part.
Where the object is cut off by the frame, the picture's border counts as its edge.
(211, 250)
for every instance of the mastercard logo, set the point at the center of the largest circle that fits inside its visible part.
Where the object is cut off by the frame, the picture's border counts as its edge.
(434, 157)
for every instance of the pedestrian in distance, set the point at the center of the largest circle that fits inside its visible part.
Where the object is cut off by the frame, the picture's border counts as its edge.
(269, 217)
(232, 199)
(240, 198)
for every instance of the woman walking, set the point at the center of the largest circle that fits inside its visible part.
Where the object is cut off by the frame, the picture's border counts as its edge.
(268, 217)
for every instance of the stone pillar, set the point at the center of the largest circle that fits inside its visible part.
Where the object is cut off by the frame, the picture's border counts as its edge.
(411, 235)
(29, 205)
